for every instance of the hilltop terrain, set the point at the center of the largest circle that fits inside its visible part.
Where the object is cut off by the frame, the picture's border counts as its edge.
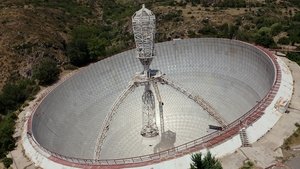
(31, 30)
(34, 29)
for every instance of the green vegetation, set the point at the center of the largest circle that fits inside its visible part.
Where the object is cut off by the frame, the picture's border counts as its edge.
(295, 2)
(114, 11)
(12, 97)
(248, 165)
(7, 142)
(14, 94)
(46, 71)
(263, 37)
(207, 162)
(232, 3)
(71, 7)
(294, 32)
(284, 41)
(174, 16)
(294, 139)
(91, 43)
(259, 25)
(293, 56)
(7, 162)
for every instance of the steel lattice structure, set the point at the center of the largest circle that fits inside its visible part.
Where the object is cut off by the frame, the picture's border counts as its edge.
(143, 25)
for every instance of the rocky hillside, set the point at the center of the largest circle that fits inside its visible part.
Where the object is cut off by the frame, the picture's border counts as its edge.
(33, 29)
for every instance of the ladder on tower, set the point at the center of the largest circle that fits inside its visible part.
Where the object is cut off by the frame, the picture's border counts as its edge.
(200, 101)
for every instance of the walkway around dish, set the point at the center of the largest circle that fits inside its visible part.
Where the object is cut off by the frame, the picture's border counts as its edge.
(267, 151)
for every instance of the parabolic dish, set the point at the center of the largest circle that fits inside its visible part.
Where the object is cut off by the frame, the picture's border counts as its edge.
(232, 76)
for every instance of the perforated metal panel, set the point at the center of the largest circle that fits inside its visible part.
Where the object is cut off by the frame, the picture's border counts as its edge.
(232, 76)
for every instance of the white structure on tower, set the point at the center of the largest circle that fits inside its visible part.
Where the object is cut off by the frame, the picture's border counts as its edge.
(143, 24)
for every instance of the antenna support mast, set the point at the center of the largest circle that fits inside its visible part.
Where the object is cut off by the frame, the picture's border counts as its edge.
(143, 23)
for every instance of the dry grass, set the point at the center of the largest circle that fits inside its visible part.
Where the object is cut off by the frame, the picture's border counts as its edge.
(26, 35)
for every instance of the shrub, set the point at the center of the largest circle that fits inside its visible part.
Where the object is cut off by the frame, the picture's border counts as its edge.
(284, 41)
(7, 142)
(208, 162)
(264, 38)
(208, 30)
(297, 17)
(294, 57)
(294, 33)
(14, 94)
(173, 16)
(7, 162)
(248, 165)
(46, 71)
(78, 53)
(232, 3)
(276, 28)
(295, 2)
(72, 7)
(92, 43)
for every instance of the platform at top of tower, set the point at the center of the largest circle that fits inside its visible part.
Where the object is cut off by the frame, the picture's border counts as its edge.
(143, 13)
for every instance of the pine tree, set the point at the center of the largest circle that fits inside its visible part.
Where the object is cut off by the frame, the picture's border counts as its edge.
(208, 162)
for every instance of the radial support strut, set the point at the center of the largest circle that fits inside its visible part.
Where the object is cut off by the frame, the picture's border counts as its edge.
(109, 117)
(200, 101)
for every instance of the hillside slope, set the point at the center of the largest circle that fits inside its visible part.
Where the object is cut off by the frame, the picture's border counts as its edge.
(30, 30)
(33, 29)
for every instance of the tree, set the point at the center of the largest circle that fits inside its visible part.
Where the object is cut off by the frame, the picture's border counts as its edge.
(297, 17)
(293, 56)
(78, 52)
(14, 94)
(7, 127)
(46, 71)
(7, 162)
(89, 43)
(96, 47)
(284, 40)
(276, 28)
(264, 38)
(208, 162)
